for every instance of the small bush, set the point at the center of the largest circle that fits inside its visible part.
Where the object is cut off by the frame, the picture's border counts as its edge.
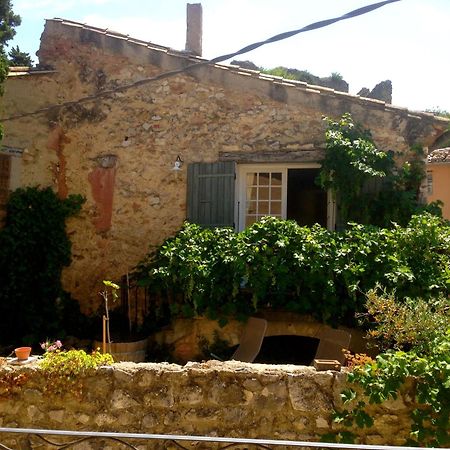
(65, 370)
(427, 373)
(412, 324)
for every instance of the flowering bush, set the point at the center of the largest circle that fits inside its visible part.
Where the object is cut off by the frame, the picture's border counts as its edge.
(48, 346)
(65, 370)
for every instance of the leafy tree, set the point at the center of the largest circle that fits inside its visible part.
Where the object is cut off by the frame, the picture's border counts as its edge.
(8, 21)
(291, 74)
(19, 58)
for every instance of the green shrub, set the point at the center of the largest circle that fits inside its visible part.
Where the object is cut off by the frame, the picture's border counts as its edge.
(413, 324)
(65, 371)
(415, 368)
(278, 264)
(427, 376)
(34, 248)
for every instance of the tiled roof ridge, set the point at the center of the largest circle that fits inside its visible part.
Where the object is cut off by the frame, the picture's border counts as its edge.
(247, 72)
(440, 155)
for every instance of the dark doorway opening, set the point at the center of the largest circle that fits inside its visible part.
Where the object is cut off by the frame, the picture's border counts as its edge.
(288, 349)
(306, 202)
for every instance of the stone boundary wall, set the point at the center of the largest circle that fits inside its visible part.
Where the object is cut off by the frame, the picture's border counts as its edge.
(230, 399)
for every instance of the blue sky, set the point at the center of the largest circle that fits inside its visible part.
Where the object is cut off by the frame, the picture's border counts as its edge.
(407, 42)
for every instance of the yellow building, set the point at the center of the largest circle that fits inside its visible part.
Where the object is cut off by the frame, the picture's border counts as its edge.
(438, 178)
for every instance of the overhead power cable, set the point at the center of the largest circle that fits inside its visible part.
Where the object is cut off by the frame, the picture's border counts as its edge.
(248, 48)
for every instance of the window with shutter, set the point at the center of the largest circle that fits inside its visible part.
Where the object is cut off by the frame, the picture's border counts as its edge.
(211, 194)
(287, 191)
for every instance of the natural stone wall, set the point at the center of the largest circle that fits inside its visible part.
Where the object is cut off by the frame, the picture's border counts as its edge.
(217, 399)
(118, 151)
(186, 335)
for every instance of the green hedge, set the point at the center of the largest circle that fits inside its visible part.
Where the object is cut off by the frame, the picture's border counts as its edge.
(278, 264)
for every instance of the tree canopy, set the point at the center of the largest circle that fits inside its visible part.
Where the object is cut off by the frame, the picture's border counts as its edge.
(19, 58)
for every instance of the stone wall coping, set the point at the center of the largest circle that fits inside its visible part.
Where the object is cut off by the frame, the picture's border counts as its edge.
(59, 25)
(205, 367)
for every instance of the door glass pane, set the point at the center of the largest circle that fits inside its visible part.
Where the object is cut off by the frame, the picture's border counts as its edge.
(275, 193)
(263, 208)
(275, 208)
(276, 179)
(263, 195)
(252, 208)
(249, 220)
(264, 179)
(252, 193)
(252, 179)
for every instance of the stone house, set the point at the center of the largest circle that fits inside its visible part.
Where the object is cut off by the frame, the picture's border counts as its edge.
(243, 144)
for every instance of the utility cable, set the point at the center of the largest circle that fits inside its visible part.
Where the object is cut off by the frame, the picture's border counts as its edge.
(248, 48)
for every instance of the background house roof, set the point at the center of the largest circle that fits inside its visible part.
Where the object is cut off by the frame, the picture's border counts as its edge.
(19, 71)
(440, 155)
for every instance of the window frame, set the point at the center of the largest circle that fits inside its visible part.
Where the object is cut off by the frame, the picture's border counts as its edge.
(241, 189)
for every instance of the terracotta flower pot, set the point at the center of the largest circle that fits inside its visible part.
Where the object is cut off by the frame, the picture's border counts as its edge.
(22, 353)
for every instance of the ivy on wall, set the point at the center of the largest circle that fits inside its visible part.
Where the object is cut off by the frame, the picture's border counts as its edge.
(34, 248)
(368, 186)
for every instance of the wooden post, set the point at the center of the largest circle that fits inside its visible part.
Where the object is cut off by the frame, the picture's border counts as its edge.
(104, 335)
(128, 303)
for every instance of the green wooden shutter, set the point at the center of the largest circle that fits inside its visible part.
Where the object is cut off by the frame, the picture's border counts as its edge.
(210, 194)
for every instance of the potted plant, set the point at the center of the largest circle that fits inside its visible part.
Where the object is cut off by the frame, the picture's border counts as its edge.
(121, 349)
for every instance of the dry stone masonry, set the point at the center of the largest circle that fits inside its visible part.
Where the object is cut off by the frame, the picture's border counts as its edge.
(213, 398)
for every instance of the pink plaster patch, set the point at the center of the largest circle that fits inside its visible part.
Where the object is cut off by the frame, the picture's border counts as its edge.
(102, 182)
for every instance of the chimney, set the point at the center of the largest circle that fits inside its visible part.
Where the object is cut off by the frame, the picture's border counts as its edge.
(194, 15)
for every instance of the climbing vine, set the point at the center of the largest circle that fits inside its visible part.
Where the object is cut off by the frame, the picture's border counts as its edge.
(34, 248)
(414, 369)
(426, 375)
(369, 188)
(277, 263)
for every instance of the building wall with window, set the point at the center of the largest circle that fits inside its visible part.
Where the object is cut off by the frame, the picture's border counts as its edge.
(249, 144)
(438, 179)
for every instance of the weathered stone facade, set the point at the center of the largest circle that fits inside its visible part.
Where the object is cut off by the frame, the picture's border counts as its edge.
(217, 399)
(118, 150)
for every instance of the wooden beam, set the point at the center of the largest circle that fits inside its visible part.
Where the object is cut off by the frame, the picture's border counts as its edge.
(274, 156)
